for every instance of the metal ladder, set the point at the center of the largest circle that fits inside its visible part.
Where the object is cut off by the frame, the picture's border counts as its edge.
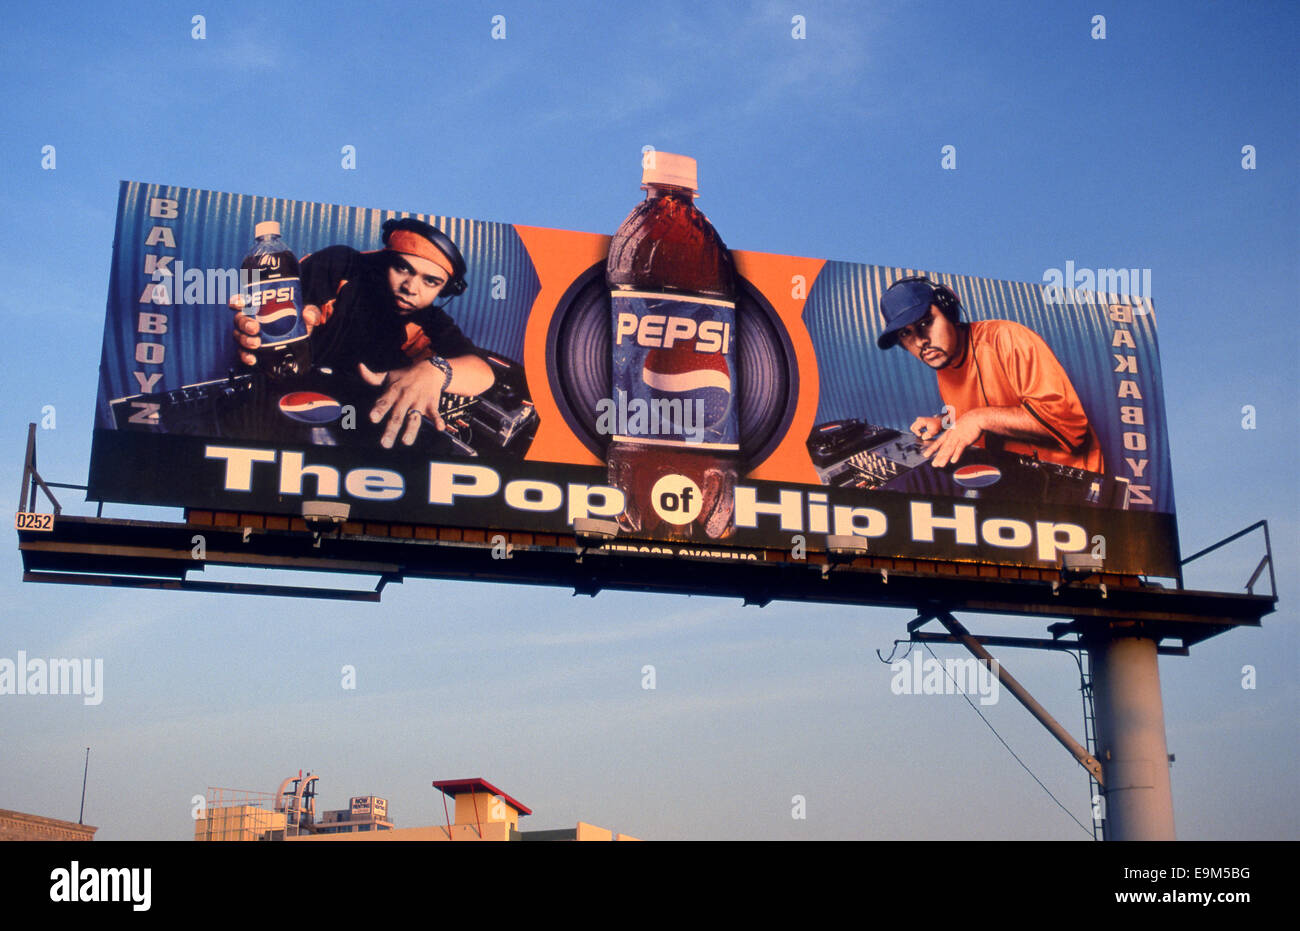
(1096, 795)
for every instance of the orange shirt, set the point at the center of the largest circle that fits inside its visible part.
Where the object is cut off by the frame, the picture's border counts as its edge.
(1009, 365)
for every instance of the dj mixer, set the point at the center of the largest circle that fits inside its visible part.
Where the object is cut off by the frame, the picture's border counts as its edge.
(855, 454)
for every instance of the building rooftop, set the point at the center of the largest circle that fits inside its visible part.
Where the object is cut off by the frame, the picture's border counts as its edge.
(455, 787)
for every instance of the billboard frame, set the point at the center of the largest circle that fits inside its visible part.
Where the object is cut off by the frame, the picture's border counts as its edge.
(161, 554)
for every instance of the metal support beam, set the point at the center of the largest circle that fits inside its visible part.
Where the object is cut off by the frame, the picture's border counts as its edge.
(1084, 758)
(133, 548)
(1032, 643)
(32, 479)
(187, 585)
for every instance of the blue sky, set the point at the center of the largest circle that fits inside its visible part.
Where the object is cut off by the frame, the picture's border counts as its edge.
(1119, 152)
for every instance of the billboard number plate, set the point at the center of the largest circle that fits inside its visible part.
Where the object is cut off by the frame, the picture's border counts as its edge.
(25, 520)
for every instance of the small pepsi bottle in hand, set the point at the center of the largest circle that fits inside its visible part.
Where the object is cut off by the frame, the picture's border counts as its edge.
(273, 297)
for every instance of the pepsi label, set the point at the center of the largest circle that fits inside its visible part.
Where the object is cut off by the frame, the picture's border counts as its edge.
(674, 359)
(277, 307)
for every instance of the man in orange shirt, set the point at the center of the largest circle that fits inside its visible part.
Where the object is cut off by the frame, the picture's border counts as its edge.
(1001, 385)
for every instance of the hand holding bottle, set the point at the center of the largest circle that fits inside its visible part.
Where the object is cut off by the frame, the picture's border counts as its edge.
(248, 331)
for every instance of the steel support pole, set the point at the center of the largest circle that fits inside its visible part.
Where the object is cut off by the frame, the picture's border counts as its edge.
(1021, 694)
(1131, 738)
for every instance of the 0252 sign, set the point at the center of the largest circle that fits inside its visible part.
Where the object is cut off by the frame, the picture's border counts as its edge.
(27, 520)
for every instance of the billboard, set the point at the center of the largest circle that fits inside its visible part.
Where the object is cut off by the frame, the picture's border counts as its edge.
(369, 804)
(1013, 424)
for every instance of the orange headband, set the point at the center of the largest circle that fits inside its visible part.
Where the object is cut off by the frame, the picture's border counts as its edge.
(415, 244)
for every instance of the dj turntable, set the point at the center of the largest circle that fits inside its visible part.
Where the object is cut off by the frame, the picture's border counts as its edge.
(855, 454)
(328, 408)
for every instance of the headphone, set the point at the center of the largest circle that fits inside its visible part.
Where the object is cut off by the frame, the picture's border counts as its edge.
(944, 297)
(455, 285)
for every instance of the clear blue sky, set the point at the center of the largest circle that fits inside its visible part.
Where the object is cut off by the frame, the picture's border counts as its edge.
(1120, 152)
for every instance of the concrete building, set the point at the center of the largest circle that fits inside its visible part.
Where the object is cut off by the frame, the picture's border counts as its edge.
(364, 813)
(239, 822)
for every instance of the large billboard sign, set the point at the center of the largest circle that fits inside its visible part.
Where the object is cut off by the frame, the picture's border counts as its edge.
(262, 353)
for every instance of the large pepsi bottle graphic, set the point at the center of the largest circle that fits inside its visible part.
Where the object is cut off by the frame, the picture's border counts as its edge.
(273, 297)
(675, 444)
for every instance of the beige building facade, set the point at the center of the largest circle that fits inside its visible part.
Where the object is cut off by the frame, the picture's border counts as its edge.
(17, 825)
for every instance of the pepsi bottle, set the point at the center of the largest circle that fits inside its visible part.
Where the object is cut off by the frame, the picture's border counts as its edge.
(675, 441)
(272, 295)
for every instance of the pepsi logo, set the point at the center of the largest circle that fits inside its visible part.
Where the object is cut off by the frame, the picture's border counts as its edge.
(977, 476)
(276, 308)
(705, 376)
(310, 407)
(277, 319)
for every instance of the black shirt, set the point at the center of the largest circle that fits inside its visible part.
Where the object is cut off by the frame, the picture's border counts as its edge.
(362, 323)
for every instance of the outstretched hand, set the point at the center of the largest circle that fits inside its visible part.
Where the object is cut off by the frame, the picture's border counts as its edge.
(410, 394)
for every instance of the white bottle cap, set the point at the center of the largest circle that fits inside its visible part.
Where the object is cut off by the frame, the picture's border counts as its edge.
(667, 168)
(266, 228)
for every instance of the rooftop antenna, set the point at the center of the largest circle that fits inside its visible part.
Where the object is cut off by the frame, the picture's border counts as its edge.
(84, 773)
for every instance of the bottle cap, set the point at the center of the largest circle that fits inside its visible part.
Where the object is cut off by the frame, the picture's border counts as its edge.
(667, 168)
(266, 228)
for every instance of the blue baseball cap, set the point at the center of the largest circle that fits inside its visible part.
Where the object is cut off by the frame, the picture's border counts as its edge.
(903, 304)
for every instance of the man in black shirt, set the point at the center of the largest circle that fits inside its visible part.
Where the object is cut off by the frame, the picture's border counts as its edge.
(372, 313)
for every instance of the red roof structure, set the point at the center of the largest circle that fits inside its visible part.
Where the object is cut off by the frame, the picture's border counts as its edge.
(455, 787)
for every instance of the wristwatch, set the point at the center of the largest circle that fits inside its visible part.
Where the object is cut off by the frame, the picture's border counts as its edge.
(443, 366)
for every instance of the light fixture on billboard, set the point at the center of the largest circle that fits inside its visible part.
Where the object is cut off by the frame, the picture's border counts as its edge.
(1080, 565)
(323, 515)
(593, 533)
(842, 548)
